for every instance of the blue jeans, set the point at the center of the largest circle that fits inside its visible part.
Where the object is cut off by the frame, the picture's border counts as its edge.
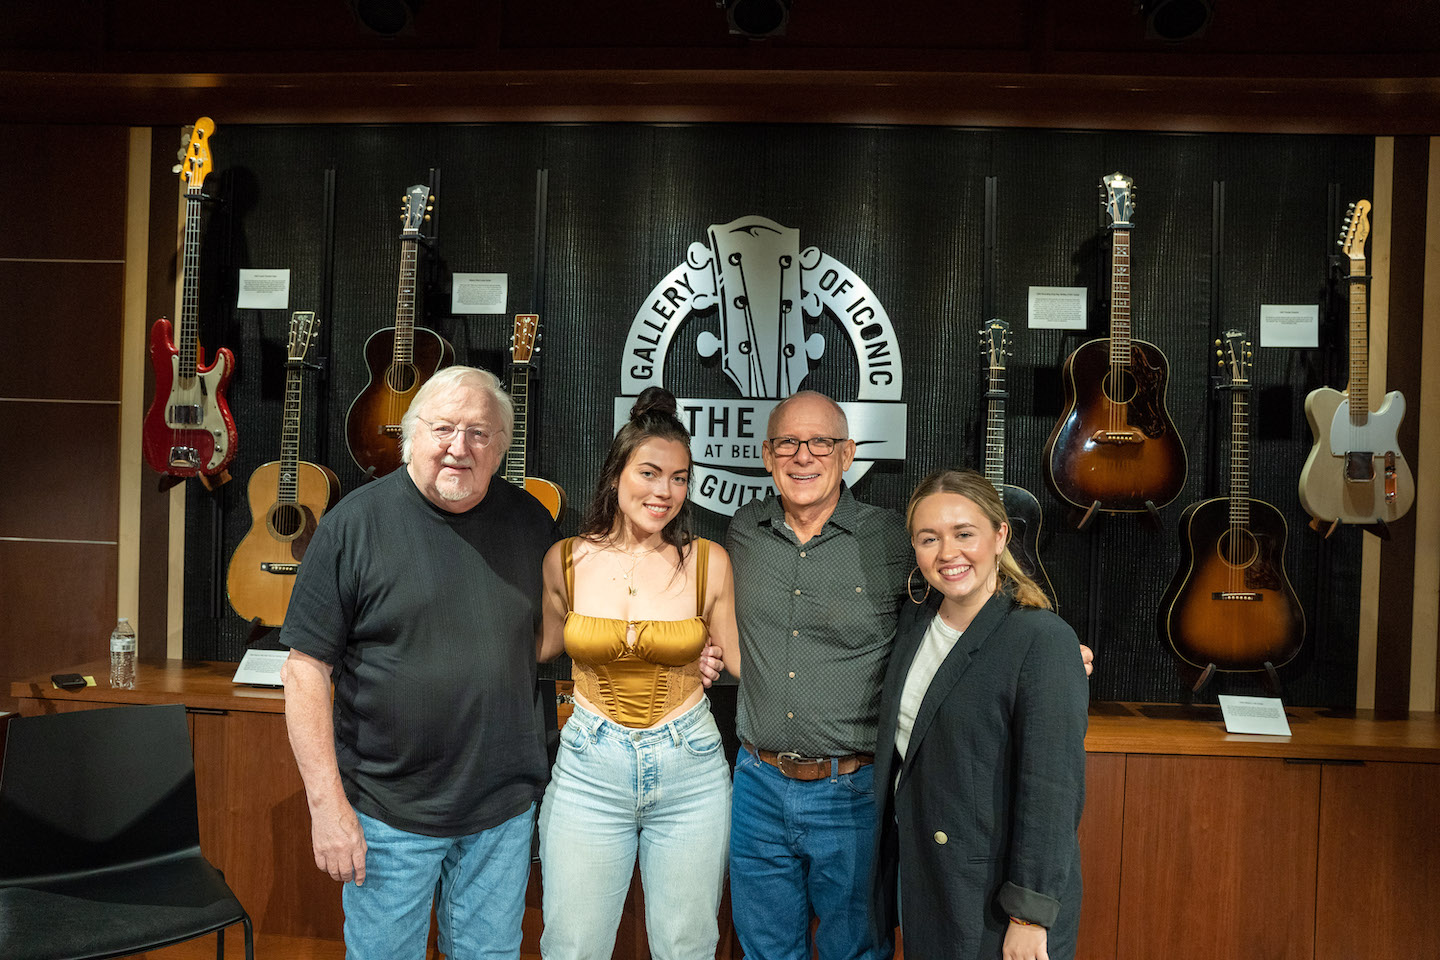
(661, 793)
(799, 846)
(482, 880)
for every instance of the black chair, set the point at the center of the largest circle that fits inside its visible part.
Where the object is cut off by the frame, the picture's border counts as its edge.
(100, 839)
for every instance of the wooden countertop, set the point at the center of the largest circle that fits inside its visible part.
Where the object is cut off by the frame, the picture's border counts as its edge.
(1146, 728)
(199, 684)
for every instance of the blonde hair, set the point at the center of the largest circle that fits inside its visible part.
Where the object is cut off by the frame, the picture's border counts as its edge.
(981, 492)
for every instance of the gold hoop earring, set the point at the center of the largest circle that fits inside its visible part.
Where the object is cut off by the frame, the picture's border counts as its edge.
(910, 586)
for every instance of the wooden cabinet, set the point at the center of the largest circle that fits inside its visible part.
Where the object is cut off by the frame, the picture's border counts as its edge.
(1195, 843)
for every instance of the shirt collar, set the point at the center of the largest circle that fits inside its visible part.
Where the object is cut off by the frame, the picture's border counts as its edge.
(845, 516)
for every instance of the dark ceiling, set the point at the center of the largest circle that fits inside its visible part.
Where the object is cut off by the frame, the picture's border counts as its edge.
(1325, 65)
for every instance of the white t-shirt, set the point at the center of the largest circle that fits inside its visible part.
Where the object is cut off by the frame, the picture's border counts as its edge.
(938, 642)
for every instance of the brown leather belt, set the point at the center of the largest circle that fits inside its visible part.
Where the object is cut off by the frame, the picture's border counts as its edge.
(797, 767)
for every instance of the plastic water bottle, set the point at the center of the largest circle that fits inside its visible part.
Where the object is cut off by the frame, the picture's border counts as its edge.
(122, 655)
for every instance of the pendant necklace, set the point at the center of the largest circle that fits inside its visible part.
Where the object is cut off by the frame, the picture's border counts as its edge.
(634, 563)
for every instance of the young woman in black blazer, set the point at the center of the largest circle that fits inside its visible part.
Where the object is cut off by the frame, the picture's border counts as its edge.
(981, 753)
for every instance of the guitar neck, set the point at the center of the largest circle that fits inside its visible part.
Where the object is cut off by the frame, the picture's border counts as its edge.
(1120, 298)
(1358, 389)
(995, 428)
(1239, 458)
(188, 335)
(520, 397)
(405, 303)
(287, 486)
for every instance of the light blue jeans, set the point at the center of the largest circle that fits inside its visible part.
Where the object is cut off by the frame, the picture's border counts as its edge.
(661, 793)
(482, 880)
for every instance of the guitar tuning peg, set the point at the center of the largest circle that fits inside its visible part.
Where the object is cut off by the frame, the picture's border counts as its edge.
(175, 169)
(1217, 341)
(189, 129)
(427, 216)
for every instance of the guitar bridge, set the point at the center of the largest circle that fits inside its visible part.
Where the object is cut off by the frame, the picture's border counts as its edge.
(1360, 466)
(1117, 437)
(1390, 476)
(285, 569)
(184, 457)
(1237, 595)
(390, 430)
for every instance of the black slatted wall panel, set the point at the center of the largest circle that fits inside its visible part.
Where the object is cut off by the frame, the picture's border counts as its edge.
(1222, 224)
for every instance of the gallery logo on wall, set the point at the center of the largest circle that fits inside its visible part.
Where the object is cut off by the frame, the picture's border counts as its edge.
(758, 293)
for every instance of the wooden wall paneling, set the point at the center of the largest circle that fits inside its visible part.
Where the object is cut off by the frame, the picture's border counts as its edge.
(60, 471)
(1219, 858)
(62, 330)
(73, 182)
(1101, 831)
(59, 608)
(1378, 891)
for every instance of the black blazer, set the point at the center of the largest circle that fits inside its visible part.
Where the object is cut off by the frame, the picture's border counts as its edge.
(982, 824)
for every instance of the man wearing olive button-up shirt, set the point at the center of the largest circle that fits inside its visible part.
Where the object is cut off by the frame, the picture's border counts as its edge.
(819, 578)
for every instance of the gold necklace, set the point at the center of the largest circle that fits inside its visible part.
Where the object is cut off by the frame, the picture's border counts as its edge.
(634, 563)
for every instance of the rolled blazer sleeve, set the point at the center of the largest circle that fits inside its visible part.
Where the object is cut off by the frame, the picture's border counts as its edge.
(1050, 719)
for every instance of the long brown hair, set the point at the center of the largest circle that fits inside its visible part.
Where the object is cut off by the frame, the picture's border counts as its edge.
(981, 492)
(653, 415)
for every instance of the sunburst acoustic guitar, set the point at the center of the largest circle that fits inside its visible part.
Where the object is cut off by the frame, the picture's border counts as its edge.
(401, 358)
(1355, 472)
(287, 498)
(1115, 447)
(1230, 604)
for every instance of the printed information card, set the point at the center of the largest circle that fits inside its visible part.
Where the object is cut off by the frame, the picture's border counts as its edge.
(1262, 715)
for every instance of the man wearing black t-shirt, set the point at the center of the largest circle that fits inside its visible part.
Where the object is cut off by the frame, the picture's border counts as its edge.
(419, 597)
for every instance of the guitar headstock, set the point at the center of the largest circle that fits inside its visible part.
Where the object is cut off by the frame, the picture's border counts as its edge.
(1234, 357)
(524, 341)
(195, 155)
(416, 207)
(1119, 199)
(302, 328)
(1355, 230)
(995, 343)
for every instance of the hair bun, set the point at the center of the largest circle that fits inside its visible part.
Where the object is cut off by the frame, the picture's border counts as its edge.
(654, 401)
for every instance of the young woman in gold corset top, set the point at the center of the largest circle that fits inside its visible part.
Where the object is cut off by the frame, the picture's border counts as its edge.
(634, 600)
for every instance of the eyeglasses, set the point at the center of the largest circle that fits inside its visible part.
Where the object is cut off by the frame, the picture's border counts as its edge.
(444, 433)
(818, 446)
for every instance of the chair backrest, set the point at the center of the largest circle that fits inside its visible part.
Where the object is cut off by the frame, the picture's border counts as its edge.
(86, 791)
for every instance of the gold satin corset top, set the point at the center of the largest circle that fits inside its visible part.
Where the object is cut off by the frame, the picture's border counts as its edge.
(636, 683)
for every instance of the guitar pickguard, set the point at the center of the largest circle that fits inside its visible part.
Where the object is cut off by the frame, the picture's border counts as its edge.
(201, 397)
(1377, 435)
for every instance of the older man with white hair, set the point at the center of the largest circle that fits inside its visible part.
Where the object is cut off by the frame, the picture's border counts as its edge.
(420, 597)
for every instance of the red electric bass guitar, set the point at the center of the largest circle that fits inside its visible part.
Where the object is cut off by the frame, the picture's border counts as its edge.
(188, 430)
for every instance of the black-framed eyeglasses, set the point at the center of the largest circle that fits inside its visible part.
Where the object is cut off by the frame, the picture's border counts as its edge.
(818, 446)
(444, 433)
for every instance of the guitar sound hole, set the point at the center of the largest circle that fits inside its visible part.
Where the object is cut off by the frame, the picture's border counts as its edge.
(1237, 548)
(402, 377)
(286, 520)
(1126, 391)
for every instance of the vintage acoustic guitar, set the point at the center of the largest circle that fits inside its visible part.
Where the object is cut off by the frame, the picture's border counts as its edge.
(401, 358)
(188, 430)
(524, 345)
(1355, 472)
(287, 498)
(1021, 506)
(1230, 603)
(1115, 447)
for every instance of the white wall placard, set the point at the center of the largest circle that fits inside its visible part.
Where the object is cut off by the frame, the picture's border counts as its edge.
(479, 293)
(1262, 715)
(264, 290)
(1057, 308)
(1289, 325)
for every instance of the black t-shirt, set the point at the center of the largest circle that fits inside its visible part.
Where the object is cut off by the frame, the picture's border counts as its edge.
(429, 619)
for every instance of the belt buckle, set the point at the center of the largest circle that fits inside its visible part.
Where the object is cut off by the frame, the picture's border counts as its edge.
(789, 762)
